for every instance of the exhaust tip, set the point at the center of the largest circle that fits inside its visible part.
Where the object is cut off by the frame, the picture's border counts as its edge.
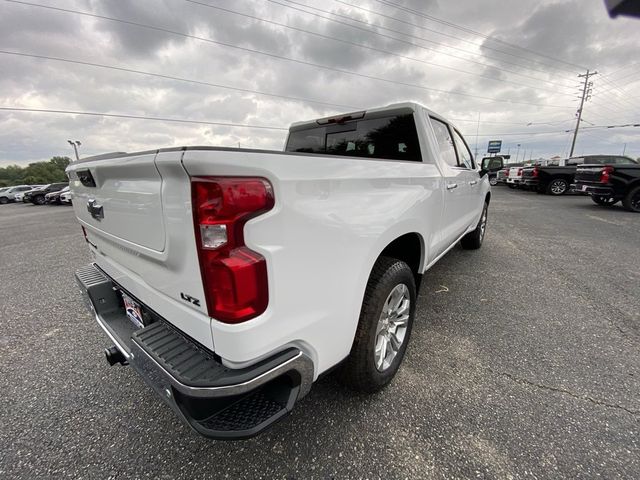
(113, 356)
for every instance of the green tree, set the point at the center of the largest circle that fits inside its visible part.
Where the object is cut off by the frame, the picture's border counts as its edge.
(35, 173)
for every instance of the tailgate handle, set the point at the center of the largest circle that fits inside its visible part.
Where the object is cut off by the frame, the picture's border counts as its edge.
(96, 210)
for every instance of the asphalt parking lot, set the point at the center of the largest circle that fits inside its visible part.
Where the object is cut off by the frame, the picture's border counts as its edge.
(524, 363)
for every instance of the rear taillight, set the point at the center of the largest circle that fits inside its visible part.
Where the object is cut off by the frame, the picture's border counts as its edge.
(605, 174)
(535, 172)
(234, 277)
(519, 172)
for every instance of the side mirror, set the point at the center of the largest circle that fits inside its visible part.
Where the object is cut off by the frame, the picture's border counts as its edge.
(491, 164)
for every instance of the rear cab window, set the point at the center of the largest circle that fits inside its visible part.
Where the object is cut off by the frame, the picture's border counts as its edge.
(390, 136)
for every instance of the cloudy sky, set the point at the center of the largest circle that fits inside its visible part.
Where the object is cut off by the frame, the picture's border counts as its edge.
(268, 63)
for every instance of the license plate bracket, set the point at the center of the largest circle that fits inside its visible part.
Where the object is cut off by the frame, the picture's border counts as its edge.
(133, 310)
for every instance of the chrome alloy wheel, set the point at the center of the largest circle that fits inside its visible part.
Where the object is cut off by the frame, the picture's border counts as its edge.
(558, 187)
(392, 326)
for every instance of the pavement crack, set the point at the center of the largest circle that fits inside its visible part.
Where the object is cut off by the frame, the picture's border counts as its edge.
(524, 381)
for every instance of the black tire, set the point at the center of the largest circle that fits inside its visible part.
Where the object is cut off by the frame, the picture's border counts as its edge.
(4, 200)
(540, 191)
(359, 371)
(38, 200)
(631, 200)
(473, 240)
(493, 182)
(558, 186)
(604, 201)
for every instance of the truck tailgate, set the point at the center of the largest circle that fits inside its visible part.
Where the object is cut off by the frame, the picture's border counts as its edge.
(136, 212)
(130, 190)
(588, 174)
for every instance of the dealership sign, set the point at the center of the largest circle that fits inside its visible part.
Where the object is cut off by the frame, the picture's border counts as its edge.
(494, 146)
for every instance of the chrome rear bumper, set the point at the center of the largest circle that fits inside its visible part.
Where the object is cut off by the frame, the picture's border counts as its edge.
(216, 401)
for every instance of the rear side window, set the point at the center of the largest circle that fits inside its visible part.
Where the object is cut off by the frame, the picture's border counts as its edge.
(393, 137)
(445, 142)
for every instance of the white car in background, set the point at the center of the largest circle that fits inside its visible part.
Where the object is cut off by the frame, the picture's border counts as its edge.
(65, 198)
(19, 197)
(8, 194)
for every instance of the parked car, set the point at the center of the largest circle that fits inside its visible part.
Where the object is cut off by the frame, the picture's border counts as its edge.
(282, 266)
(610, 184)
(493, 176)
(54, 197)
(20, 196)
(501, 175)
(37, 195)
(65, 198)
(557, 177)
(8, 194)
(514, 179)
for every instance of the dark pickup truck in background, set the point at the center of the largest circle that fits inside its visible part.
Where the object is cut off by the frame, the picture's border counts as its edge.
(609, 184)
(556, 179)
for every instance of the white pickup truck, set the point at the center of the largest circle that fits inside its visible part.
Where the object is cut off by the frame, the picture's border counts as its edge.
(230, 279)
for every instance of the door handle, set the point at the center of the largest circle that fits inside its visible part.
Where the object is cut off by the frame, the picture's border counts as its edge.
(451, 186)
(473, 182)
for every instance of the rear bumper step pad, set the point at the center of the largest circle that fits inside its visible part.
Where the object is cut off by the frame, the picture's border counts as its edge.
(217, 401)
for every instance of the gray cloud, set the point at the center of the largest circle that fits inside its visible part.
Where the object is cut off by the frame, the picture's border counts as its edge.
(579, 32)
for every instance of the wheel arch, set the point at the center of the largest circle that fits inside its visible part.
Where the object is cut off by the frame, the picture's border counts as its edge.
(409, 248)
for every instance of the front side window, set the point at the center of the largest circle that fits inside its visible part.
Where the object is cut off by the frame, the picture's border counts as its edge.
(464, 154)
(445, 142)
(393, 137)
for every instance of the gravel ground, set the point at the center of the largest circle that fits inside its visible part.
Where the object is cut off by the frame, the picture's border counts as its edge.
(524, 363)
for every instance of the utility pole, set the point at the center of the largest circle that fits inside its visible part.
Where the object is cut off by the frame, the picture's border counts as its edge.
(75, 145)
(624, 149)
(477, 131)
(586, 94)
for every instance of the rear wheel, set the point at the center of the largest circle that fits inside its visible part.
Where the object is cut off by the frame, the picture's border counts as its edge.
(632, 200)
(4, 200)
(473, 240)
(558, 186)
(38, 199)
(386, 319)
(605, 201)
(493, 181)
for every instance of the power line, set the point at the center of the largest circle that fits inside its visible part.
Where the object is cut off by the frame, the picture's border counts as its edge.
(473, 32)
(448, 35)
(522, 124)
(170, 77)
(280, 57)
(507, 134)
(368, 30)
(524, 134)
(368, 47)
(140, 117)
